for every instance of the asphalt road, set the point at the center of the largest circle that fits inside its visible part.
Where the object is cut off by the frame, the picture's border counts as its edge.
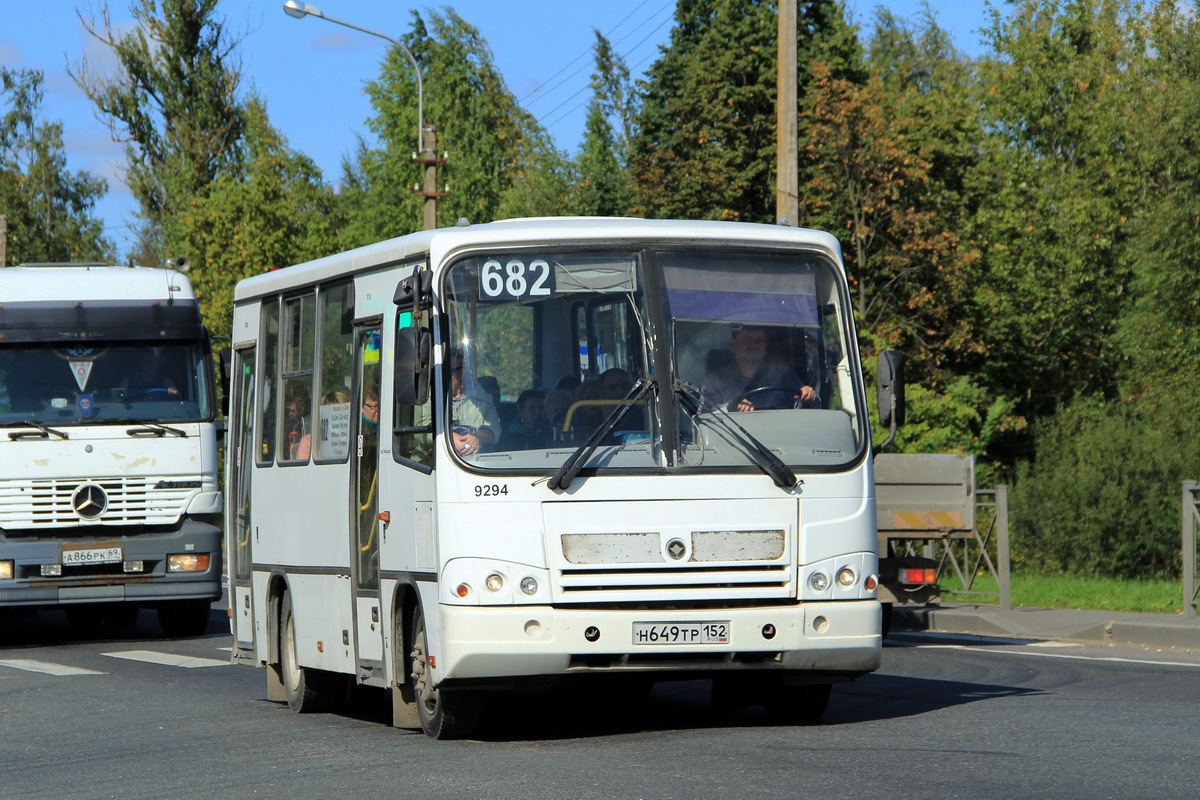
(137, 716)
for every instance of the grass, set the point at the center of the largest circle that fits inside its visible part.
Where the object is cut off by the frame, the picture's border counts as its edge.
(1064, 591)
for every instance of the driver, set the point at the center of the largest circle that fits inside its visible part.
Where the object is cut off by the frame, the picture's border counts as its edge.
(730, 385)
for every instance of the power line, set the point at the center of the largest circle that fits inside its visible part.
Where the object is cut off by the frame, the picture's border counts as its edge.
(546, 85)
(583, 88)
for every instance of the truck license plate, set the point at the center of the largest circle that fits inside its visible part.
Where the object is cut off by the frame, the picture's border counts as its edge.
(82, 556)
(681, 632)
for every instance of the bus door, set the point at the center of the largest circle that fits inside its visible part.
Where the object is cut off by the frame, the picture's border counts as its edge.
(365, 526)
(241, 438)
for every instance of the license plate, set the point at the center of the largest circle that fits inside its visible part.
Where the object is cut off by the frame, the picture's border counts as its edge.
(681, 632)
(82, 556)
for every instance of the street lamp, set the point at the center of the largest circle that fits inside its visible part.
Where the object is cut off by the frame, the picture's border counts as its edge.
(294, 8)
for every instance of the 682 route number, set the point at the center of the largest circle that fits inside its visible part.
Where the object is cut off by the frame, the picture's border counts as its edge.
(514, 279)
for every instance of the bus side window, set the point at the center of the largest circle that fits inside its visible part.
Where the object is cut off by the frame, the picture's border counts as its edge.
(270, 361)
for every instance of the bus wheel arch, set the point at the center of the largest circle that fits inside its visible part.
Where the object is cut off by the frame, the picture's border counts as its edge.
(404, 705)
(443, 713)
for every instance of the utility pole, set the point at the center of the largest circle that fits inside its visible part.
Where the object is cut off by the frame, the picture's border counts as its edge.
(429, 159)
(3, 240)
(787, 157)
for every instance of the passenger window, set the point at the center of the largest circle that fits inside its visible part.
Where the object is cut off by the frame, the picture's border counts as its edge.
(299, 345)
(333, 408)
(270, 360)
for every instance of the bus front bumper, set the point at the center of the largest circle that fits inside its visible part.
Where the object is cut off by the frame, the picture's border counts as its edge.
(833, 641)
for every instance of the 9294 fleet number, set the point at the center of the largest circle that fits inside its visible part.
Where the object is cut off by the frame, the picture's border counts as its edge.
(491, 489)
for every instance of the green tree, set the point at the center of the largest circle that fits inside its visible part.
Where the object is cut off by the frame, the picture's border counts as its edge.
(1063, 98)
(173, 100)
(705, 143)
(274, 213)
(492, 144)
(601, 182)
(49, 208)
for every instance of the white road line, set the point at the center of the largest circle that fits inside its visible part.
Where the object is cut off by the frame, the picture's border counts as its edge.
(1037, 654)
(46, 667)
(168, 659)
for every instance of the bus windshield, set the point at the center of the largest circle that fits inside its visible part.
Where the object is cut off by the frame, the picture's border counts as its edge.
(675, 358)
(114, 382)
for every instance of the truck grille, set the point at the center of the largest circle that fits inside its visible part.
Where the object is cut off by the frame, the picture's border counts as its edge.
(130, 501)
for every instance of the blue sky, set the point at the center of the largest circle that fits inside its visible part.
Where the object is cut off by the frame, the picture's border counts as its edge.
(312, 72)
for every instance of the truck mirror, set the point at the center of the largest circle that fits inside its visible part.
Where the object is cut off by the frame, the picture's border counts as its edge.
(224, 357)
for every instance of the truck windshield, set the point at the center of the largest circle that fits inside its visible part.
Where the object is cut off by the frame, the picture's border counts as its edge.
(112, 382)
(740, 353)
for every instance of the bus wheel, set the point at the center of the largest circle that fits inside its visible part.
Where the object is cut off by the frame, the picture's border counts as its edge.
(308, 690)
(182, 619)
(796, 704)
(444, 713)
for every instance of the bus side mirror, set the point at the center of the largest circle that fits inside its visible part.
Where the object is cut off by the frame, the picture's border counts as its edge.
(415, 291)
(412, 366)
(889, 382)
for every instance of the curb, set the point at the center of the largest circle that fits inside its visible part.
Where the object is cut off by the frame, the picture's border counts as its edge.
(1087, 627)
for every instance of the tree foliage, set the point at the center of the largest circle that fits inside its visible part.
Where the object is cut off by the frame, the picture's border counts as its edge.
(49, 208)
(601, 179)
(274, 213)
(173, 100)
(492, 145)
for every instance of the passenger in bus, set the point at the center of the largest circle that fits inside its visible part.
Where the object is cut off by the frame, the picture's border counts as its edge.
(304, 448)
(296, 412)
(587, 418)
(555, 410)
(528, 430)
(475, 423)
(732, 377)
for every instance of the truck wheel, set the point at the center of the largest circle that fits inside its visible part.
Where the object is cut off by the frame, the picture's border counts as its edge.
(444, 713)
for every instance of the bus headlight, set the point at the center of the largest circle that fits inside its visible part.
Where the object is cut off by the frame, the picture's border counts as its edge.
(6, 570)
(187, 562)
(845, 577)
(529, 585)
(494, 582)
(819, 581)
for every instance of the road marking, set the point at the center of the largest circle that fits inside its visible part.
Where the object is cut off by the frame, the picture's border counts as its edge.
(1034, 653)
(46, 667)
(167, 659)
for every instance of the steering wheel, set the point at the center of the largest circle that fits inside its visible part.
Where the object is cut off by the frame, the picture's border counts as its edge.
(761, 389)
(156, 393)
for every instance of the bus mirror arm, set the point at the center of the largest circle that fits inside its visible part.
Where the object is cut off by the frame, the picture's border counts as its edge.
(415, 291)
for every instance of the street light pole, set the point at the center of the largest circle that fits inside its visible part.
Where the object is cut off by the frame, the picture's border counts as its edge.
(426, 140)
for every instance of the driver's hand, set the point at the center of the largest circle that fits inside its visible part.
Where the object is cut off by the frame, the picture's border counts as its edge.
(466, 443)
(744, 405)
(807, 394)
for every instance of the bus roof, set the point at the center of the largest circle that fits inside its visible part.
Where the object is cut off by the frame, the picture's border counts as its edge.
(533, 230)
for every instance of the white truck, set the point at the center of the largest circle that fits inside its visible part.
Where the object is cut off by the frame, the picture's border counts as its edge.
(109, 499)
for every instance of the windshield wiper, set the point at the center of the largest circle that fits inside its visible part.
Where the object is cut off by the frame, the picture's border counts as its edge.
(146, 426)
(43, 431)
(770, 463)
(562, 478)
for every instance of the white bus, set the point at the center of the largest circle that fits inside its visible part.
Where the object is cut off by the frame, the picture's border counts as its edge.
(400, 517)
(109, 500)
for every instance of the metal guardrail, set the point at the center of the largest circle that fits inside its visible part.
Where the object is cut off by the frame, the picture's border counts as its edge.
(1191, 516)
